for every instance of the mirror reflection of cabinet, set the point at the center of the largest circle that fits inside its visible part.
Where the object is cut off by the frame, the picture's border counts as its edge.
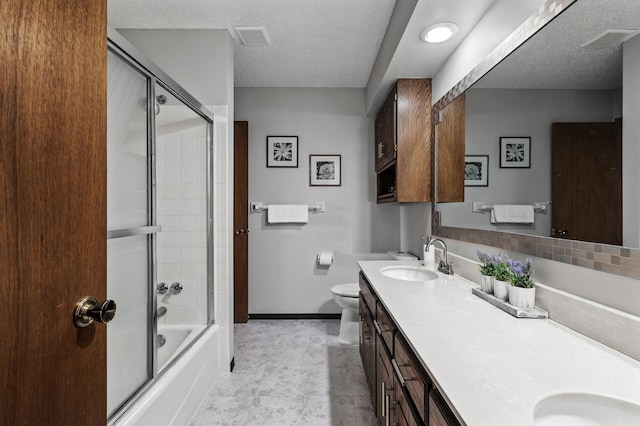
(451, 149)
(403, 144)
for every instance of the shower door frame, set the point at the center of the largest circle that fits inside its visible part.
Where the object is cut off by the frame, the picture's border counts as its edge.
(125, 51)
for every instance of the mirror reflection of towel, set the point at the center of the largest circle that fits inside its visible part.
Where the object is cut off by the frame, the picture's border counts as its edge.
(512, 213)
(288, 213)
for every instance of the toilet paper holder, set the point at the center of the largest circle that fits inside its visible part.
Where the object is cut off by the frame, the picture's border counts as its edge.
(324, 258)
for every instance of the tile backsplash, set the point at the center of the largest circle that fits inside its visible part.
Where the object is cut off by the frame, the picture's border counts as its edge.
(600, 257)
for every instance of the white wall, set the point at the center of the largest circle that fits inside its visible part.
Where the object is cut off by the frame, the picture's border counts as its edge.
(201, 61)
(283, 275)
(631, 143)
(492, 113)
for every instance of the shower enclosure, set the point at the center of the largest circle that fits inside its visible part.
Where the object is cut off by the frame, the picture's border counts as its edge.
(159, 223)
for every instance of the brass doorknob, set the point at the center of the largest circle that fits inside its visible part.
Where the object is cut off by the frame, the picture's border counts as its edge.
(89, 310)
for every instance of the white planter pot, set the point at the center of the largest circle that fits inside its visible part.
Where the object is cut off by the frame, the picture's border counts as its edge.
(501, 289)
(486, 284)
(522, 297)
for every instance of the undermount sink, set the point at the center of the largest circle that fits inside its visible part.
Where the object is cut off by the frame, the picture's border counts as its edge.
(585, 409)
(408, 273)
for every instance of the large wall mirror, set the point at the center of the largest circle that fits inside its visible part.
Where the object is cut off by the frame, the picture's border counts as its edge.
(556, 125)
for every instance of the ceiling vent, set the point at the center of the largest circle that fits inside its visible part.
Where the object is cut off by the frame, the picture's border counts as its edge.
(253, 36)
(609, 38)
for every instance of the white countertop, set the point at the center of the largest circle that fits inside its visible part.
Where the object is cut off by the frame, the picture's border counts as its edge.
(493, 368)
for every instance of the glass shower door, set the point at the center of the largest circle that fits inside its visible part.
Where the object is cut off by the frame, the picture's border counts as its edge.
(159, 225)
(182, 139)
(129, 234)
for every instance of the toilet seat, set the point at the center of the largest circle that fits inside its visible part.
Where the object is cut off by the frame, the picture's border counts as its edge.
(346, 290)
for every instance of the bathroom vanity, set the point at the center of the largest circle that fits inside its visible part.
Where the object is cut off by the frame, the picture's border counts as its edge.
(435, 354)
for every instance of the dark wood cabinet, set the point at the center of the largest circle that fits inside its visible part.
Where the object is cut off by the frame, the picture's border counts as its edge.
(408, 371)
(385, 146)
(401, 390)
(439, 412)
(368, 346)
(385, 400)
(451, 151)
(404, 143)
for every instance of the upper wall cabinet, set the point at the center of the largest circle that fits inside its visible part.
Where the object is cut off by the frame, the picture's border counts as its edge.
(403, 143)
(386, 132)
(451, 149)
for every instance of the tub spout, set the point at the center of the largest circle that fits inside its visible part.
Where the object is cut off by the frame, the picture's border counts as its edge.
(161, 311)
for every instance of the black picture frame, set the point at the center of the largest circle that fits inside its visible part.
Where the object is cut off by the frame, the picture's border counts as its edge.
(325, 170)
(476, 170)
(515, 152)
(282, 151)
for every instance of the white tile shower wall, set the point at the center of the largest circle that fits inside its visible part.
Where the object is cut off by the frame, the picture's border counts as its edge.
(181, 211)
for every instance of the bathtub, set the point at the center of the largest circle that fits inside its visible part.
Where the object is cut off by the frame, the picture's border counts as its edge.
(177, 392)
(177, 337)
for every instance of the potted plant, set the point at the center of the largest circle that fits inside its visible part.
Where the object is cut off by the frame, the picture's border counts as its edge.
(502, 273)
(522, 291)
(487, 269)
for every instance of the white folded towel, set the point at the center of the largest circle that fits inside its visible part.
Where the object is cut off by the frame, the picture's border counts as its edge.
(510, 213)
(288, 213)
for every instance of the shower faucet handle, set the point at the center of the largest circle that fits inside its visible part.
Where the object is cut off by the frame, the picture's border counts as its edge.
(162, 288)
(175, 288)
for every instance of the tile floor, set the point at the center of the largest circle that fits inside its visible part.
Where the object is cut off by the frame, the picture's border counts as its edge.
(293, 372)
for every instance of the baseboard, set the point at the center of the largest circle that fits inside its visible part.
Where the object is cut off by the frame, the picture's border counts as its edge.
(292, 316)
(232, 364)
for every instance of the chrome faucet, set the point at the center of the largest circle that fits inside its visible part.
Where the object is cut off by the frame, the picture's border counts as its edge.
(445, 266)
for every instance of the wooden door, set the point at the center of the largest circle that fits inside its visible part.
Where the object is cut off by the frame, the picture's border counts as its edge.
(587, 182)
(53, 210)
(241, 222)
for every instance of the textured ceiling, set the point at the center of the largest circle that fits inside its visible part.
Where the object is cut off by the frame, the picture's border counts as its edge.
(314, 43)
(553, 58)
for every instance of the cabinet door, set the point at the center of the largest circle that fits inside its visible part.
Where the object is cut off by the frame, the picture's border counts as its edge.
(385, 143)
(367, 346)
(451, 150)
(403, 412)
(385, 404)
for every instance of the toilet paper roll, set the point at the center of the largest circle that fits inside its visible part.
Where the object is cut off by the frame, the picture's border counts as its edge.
(325, 258)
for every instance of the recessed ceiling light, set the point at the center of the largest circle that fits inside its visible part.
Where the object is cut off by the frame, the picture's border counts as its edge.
(437, 33)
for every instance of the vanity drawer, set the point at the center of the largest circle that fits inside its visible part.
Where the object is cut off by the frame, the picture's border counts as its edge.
(367, 293)
(407, 369)
(439, 412)
(385, 327)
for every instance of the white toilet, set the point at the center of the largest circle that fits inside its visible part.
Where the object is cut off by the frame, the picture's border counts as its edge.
(346, 296)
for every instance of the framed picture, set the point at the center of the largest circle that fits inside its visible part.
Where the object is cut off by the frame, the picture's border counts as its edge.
(282, 151)
(476, 170)
(324, 170)
(515, 152)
